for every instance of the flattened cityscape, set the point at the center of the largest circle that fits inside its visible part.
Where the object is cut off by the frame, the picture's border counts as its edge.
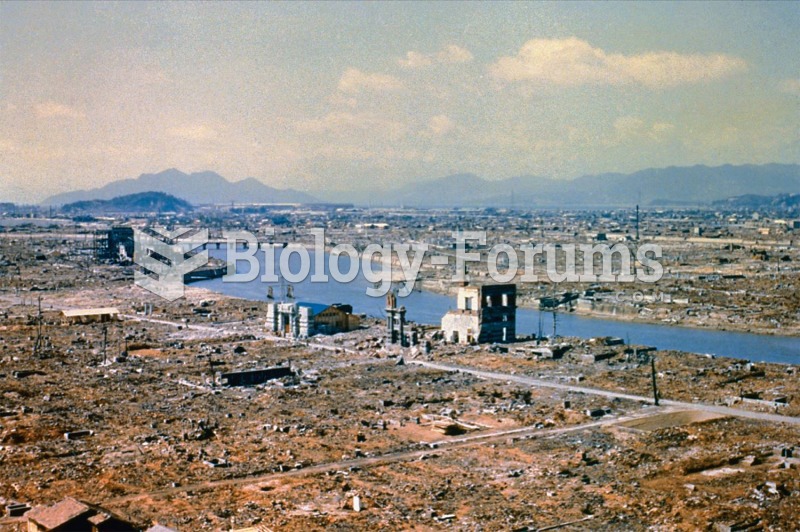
(419, 266)
(125, 410)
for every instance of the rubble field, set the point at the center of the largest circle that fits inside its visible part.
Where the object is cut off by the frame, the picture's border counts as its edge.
(135, 414)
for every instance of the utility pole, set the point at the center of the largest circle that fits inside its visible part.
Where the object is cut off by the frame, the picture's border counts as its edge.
(636, 244)
(119, 341)
(555, 308)
(541, 332)
(38, 345)
(653, 373)
(554, 324)
(39, 331)
(105, 341)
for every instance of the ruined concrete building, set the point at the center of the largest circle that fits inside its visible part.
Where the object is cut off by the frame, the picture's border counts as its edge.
(485, 314)
(395, 321)
(301, 320)
(253, 377)
(115, 244)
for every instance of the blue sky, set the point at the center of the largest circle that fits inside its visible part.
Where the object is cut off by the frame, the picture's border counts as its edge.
(321, 96)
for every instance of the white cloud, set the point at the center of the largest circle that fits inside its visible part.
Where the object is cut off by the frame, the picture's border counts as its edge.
(790, 86)
(415, 60)
(353, 136)
(573, 61)
(440, 125)
(51, 109)
(634, 128)
(354, 80)
(342, 100)
(627, 126)
(346, 122)
(193, 132)
(454, 54)
(662, 128)
(449, 54)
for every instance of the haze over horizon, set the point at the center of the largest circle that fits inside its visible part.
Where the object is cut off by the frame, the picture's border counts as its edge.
(335, 96)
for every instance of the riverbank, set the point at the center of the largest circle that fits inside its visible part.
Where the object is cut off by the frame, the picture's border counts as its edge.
(625, 315)
(699, 316)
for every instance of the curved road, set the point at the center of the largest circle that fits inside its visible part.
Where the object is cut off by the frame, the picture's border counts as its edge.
(472, 440)
(521, 379)
(529, 432)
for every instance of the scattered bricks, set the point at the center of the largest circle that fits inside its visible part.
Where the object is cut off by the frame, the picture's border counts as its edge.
(145, 417)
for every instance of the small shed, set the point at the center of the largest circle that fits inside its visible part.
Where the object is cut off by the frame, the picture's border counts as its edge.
(90, 315)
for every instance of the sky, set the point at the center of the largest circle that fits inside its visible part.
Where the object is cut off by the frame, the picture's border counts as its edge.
(332, 96)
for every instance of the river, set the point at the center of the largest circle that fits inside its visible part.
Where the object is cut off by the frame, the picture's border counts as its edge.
(428, 308)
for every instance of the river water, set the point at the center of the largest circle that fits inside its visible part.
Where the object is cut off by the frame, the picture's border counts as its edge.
(428, 308)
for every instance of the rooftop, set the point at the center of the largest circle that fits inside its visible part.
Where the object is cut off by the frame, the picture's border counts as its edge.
(57, 515)
(72, 313)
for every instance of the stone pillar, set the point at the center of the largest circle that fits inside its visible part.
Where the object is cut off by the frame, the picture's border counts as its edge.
(390, 325)
(402, 313)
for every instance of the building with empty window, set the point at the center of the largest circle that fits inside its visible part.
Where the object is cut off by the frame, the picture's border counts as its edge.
(484, 314)
(301, 320)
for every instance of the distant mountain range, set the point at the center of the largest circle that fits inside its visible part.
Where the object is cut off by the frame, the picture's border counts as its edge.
(694, 185)
(197, 188)
(784, 202)
(141, 202)
(672, 186)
